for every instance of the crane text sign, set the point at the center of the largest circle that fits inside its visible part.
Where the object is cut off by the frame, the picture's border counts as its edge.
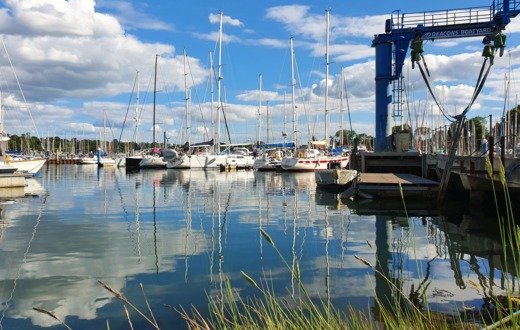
(457, 33)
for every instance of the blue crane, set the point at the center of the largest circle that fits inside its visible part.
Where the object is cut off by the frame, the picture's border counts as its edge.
(403, 31)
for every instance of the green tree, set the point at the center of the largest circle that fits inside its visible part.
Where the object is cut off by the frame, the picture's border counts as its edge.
(348, 137)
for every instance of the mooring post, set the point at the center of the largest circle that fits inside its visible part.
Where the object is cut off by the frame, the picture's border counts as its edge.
(491, 154)
(503, 150)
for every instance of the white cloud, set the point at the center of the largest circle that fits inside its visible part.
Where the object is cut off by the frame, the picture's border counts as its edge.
(66, 50)
(213, 36)
(254, 95)
(269, 42)
(59, 18)
(215, 18)
(132, 17)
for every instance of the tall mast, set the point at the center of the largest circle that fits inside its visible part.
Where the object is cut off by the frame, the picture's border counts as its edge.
(341, 88)
(284, 118)
(327, 73)
(1, 116)
(293, 87)
(259, 109)
(187, 101)
(136, 108)
(154, 100)
(212, 95)
(267, 121)
(219, 99)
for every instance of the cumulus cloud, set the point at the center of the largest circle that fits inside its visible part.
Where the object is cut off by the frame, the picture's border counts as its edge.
(254, 95)
(213, 36)
(215, 18)
(56, 63)
(132, 17)
(66, 50)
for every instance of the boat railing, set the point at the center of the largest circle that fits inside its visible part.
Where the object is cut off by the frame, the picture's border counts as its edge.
(459, 16)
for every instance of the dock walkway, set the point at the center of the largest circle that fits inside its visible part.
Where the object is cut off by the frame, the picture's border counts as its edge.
(371, 185)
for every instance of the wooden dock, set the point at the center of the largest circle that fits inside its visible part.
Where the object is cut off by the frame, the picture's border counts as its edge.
(391, 185)
(12, 180)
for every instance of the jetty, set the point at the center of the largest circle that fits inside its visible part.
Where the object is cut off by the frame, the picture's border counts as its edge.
(12, 180)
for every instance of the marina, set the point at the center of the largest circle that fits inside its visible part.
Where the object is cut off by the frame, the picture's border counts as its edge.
(379, 194)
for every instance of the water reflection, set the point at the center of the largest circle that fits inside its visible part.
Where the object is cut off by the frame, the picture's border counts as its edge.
(184, 233)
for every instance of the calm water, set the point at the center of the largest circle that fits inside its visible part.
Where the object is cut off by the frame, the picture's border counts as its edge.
(182, 233)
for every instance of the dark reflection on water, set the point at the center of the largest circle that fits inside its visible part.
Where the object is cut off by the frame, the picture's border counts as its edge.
(183, 233)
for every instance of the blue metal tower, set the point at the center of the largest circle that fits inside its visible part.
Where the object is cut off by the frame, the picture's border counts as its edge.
(392, 46)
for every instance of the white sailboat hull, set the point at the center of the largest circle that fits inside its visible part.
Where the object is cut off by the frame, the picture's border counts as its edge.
(30, 166)
(209, 161)
(297, 164)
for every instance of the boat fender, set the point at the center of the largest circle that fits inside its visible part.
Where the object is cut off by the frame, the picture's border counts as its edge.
(8, 159)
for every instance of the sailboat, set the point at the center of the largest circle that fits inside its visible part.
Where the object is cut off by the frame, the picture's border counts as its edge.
(271, 157)
(9, 164)
(314, 156)
(154, 159)
(103, 160)
(133, 160)
(194, 156)
(198, 155)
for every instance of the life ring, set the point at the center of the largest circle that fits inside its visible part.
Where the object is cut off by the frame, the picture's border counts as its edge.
(8, 159)
(300, 154)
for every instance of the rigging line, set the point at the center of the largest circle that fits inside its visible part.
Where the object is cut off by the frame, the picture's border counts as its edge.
(346, 99)
(225, 118)
(127, 109)
(302, 98)
(24, 261)
(432, 94)
(145, 98)
(20, 88)
(197, 97)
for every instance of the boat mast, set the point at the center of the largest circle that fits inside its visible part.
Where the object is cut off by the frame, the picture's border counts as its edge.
(293, 86)
(284, 133)
(154, 100)
(219, 80)
(327, 72)
(341, 108)
(267, 121)
(259, 109)
(1, 116)
(137, 109)
(187, 101)
(212, 92)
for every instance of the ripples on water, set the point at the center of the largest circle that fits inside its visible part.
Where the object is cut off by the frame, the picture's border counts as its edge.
(182, 233)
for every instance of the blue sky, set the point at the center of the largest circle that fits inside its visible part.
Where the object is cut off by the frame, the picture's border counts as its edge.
(76, 63)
